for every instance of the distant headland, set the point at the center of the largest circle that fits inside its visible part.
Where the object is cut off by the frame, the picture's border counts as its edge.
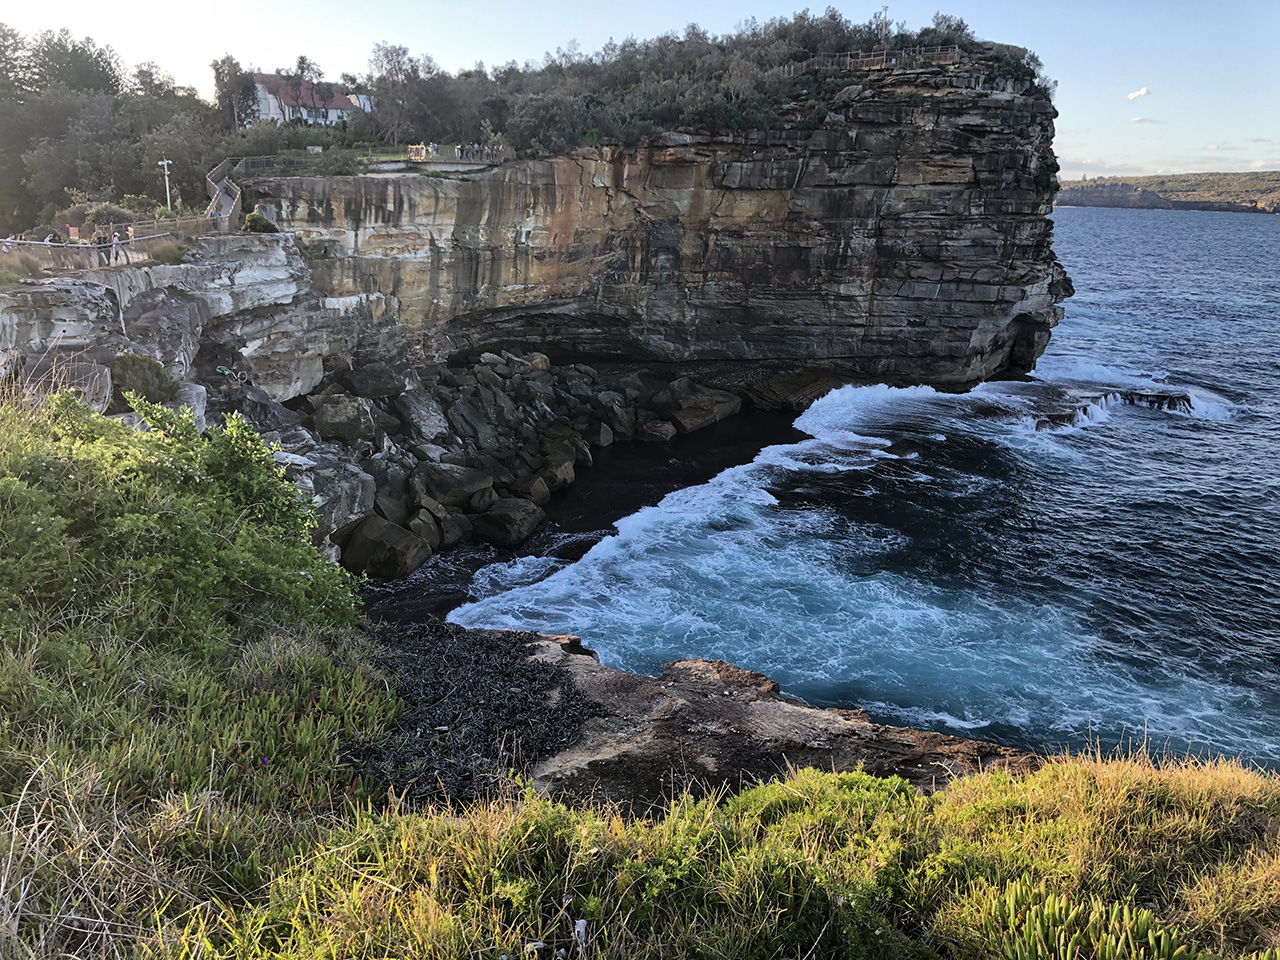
(1254, 192)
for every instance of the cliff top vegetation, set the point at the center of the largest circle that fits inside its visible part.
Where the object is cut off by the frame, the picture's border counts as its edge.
(84, 135)
(628, 90)
(179, 675)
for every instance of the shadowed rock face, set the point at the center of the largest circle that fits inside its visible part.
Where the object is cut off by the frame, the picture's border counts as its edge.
(906, 242)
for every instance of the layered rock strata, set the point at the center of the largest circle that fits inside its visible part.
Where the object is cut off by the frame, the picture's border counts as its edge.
(402, 460)
(906, 241)
(1131, 196)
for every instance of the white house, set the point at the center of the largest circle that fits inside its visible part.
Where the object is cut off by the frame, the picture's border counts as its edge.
(279, 100)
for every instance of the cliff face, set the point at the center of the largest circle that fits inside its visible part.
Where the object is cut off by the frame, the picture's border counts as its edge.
(907, 241)
(1132, 196)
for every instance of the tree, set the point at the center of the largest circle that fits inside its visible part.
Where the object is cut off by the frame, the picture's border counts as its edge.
(13, 50)
(306, 73)
(234, 92)
(394, 78)
(76, 64)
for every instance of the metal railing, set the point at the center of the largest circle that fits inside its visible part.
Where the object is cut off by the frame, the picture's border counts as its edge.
(31, 257)
(224, 196)
(882, 60)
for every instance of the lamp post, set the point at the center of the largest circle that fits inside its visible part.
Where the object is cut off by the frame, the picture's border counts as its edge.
(168, 205)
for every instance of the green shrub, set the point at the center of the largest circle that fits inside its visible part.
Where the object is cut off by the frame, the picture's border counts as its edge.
(255, 222)
(168, 253)
(142, 375)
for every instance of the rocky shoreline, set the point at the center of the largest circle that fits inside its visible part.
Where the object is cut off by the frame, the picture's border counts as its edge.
(483, 704)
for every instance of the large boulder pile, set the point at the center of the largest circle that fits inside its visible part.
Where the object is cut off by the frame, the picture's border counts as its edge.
(463, 451)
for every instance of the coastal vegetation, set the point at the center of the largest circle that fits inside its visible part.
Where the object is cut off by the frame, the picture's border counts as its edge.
(85, 137)
(183, 683)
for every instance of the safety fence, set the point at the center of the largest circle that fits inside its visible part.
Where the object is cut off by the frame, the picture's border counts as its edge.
(31, 257)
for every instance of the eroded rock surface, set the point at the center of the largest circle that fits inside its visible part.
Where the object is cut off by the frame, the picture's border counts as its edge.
(706, 725)
(906, 241)
(481, 703)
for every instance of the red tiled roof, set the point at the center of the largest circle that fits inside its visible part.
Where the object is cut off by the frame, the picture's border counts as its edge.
(278, 86)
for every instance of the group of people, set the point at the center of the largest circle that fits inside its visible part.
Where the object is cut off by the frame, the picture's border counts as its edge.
(474, 151)
(105, 248)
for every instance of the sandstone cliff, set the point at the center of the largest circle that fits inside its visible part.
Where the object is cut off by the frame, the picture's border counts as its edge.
(906, 241)
(1224, 193)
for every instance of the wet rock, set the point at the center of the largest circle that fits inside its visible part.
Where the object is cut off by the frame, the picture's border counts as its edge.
(690, 406)
(654, 429)
(598, 435)
(532, 488)
(508, 522)
(558, 471)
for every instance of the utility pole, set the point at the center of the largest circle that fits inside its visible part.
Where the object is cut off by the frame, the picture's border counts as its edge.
(168, 205)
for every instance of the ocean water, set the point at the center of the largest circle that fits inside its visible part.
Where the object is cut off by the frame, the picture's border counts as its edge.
(1042, 564)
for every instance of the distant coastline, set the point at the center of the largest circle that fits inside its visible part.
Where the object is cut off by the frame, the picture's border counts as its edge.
(1254, 192)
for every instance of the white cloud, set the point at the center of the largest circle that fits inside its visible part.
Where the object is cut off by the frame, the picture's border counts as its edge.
(1137, 93)
(1143, 120)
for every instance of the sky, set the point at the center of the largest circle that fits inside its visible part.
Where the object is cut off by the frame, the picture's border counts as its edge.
(1143, 87)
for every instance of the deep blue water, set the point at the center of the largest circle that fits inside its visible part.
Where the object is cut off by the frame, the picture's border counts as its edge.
(945, 562)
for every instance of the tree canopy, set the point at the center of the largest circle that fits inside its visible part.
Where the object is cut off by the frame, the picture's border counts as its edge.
(627, 90)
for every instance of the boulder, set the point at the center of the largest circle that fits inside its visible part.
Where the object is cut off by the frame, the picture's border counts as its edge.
(448, 483)
(654, 429)
(423, 417)
(532, 488)
(691, 406)
(381, 549)
(508, 522)
(90, 382)
(375, 381)
(482, 501)
(393, 508)
(424, 525)
(263, 413)
(344, 417)
(558, 471)
(343, 493)
(195, 398)
(598, 434)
